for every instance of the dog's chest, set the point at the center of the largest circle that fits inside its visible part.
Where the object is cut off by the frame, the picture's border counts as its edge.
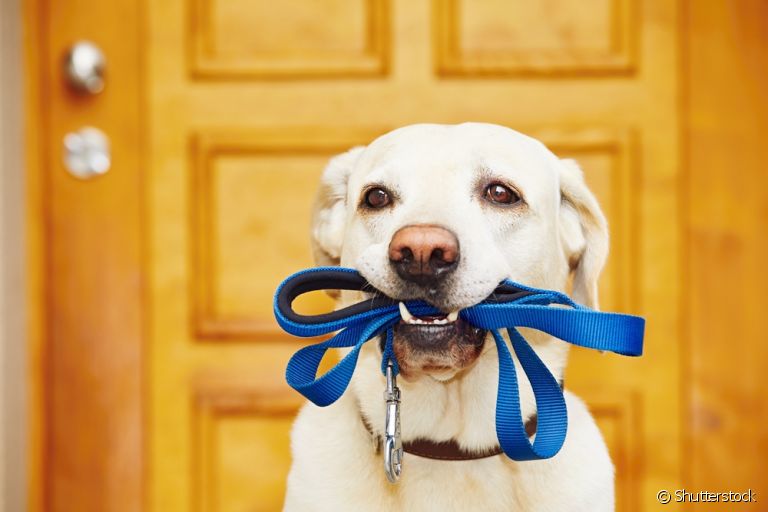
(428, 485)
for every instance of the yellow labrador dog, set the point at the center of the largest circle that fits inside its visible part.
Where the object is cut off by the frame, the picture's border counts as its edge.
(444, 213)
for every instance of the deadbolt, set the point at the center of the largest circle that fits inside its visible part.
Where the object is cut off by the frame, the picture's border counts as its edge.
(84, 67)
(86, 153)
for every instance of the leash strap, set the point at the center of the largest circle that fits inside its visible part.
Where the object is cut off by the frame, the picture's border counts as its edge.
(510, 305)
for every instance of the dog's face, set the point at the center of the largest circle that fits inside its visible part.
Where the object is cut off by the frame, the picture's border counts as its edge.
(444, 213)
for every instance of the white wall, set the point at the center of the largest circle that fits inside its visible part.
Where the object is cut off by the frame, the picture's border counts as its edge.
(12, 340)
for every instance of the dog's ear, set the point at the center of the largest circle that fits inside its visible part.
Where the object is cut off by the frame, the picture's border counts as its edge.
(583, 233)
(329, 213)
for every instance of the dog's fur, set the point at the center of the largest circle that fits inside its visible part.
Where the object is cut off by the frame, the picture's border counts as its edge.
(555, 236)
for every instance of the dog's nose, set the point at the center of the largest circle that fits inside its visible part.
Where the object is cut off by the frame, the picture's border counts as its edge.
(423, 253)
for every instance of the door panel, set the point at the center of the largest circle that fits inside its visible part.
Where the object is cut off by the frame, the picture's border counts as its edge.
(251, 196)
(262, 39)
(535, 38)
(240, 449)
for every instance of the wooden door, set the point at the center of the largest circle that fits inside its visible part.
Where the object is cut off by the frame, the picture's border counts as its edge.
(223, 113)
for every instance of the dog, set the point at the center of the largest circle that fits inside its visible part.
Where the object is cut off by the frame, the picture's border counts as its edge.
(444, 213)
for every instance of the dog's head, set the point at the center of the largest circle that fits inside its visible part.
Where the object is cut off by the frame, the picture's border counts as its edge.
(444, 213)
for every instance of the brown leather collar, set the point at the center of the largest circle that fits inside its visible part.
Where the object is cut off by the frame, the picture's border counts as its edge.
(448, 450)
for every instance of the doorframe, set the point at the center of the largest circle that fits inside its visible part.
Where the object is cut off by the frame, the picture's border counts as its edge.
(85, 246)
(719, 103)
(33, 106)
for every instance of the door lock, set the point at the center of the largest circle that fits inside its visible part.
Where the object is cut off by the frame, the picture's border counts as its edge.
(86, 153)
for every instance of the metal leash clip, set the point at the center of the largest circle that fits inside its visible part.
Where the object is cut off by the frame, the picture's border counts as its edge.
(393, 445)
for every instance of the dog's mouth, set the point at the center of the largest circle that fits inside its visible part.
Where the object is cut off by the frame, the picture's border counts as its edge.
(437, 345)
(431, 320)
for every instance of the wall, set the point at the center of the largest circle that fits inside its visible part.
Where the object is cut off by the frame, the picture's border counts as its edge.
(12, 339)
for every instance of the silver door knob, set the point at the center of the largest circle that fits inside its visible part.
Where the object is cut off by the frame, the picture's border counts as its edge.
(84, 67)
(86, 153)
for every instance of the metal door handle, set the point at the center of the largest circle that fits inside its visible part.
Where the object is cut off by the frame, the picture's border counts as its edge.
(84, 67)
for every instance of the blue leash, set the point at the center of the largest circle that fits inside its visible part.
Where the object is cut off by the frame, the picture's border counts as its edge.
(511, 305)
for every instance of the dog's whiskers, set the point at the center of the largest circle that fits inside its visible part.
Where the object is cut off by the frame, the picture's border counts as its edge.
(375, 293)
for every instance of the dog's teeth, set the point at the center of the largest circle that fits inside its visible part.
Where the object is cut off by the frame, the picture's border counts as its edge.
(410, 319)
(406, 315)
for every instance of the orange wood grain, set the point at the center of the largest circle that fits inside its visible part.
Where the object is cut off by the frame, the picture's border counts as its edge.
(726, 189)
(91, 273)
(95, 245)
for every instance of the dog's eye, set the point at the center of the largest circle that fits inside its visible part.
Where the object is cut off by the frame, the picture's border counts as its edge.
(501, 194)
(377, 198)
